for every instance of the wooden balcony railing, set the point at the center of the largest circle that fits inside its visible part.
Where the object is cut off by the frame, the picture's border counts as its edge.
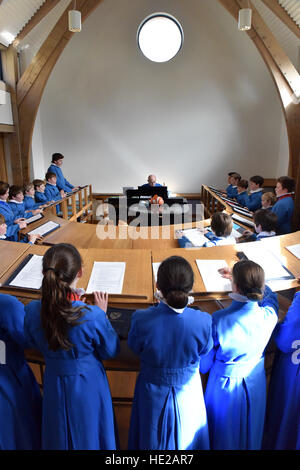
(74, 205)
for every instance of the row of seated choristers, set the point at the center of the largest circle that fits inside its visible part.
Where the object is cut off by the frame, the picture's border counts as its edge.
(18, 204)
(281, 204)
(174, 341)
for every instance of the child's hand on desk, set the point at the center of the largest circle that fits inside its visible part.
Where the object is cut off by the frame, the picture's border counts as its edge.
(247, 233)
(225, 272)
(62, 193)
(22, 224)
(34, 237)
(101, 300)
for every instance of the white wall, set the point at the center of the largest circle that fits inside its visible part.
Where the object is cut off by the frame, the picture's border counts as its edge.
(118, 117)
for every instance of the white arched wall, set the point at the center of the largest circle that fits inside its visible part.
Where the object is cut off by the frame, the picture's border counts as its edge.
(118, 117)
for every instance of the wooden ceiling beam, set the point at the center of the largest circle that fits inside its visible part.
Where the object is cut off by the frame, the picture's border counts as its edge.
(44, 9)
(281, 13)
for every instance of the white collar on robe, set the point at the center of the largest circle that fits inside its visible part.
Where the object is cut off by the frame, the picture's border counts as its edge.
(16, 202)
(255, 191)
(159, 297)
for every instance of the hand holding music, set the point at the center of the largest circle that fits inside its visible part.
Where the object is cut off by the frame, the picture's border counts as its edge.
(101, 300)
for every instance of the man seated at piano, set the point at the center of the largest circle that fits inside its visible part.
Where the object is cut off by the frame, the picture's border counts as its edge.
(151, 182)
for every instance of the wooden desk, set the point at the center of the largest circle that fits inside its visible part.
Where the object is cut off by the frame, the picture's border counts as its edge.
(10, 252)
(48, 217)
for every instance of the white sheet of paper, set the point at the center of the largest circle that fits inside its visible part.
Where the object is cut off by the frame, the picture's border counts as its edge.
(107, 277)
(34, 218)
(155, 267)
(31, 275)
(236, 234)
(42, 229)
(294, 249)
(267, 260)
(195, 236)
(212, 279)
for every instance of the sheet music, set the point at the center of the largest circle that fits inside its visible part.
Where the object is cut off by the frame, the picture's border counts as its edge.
(272, 266)
(44, 228)
(242, 220)
(107, 277)
(34, 218)
(31, 276)
(212, 279)
(195, 236)
(294, 249)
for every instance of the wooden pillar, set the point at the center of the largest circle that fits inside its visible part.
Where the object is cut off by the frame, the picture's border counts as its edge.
(3, 171)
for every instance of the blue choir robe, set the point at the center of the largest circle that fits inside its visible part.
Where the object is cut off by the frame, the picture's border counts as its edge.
(40, 198)
(12, 228)
(254, 200)
(219, 241)
(30, 203)
(52, 192)
(282, 428)
(284, 208)
(61, 181)
(19, 210)
(231, 191)
(242, 198)
(20, 398)
(77, 406)
(235, 394)
(168, 410)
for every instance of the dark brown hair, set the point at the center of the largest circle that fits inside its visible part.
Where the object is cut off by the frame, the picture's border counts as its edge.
(14, 190)
(266, 219)
(257, 180)
(61, 264)
(3, 187)
(243, 184)
(221, 224)
(38, 183)
(49, 175)
(249, 279)
(287, 183)
(56, 156)
(175, 279)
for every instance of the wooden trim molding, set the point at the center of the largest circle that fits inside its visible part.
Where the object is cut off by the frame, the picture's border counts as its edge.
(7, 128)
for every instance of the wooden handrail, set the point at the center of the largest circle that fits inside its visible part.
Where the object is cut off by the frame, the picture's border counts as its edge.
(74, 205)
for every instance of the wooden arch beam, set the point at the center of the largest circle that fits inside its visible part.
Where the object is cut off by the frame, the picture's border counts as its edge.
(31, 85)
(287, 82)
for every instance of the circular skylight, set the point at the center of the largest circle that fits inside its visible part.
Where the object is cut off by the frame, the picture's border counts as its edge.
(160, 37)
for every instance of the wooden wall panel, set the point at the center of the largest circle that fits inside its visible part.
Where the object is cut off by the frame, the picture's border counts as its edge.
(3, 171)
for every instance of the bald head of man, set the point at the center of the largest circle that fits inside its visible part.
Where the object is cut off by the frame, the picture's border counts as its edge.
(152, 180)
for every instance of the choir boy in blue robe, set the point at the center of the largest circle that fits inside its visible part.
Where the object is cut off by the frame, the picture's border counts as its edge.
(39, 195)
(282, 428)
(235, 394)
(31, 238)
(55, 167)
(29, 201)
(52, 192)
(284, 206)
(17, 203)
(73, 338)
(13, 225)
(254, 198)
(242, 196)
(221, 226)
(20, 398)
(168, 411)
(265, 224)
(232, 190)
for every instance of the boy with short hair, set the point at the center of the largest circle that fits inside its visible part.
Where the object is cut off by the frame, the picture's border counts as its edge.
(29, 201)
(254, 198)
(52, 192)
(30, 238)
(284, 206)
(221, 227)
(39, 195)
(231, 190)
(55, 167)
(17, 203)
(242, 196)
(13, 224)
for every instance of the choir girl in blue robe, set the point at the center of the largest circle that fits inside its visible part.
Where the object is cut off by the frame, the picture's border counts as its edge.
(73, 338)
(55, 167)
(20, 398)
(284, 206)
(170, 338)
(235, 395)
(282, 429)
(254, 198)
